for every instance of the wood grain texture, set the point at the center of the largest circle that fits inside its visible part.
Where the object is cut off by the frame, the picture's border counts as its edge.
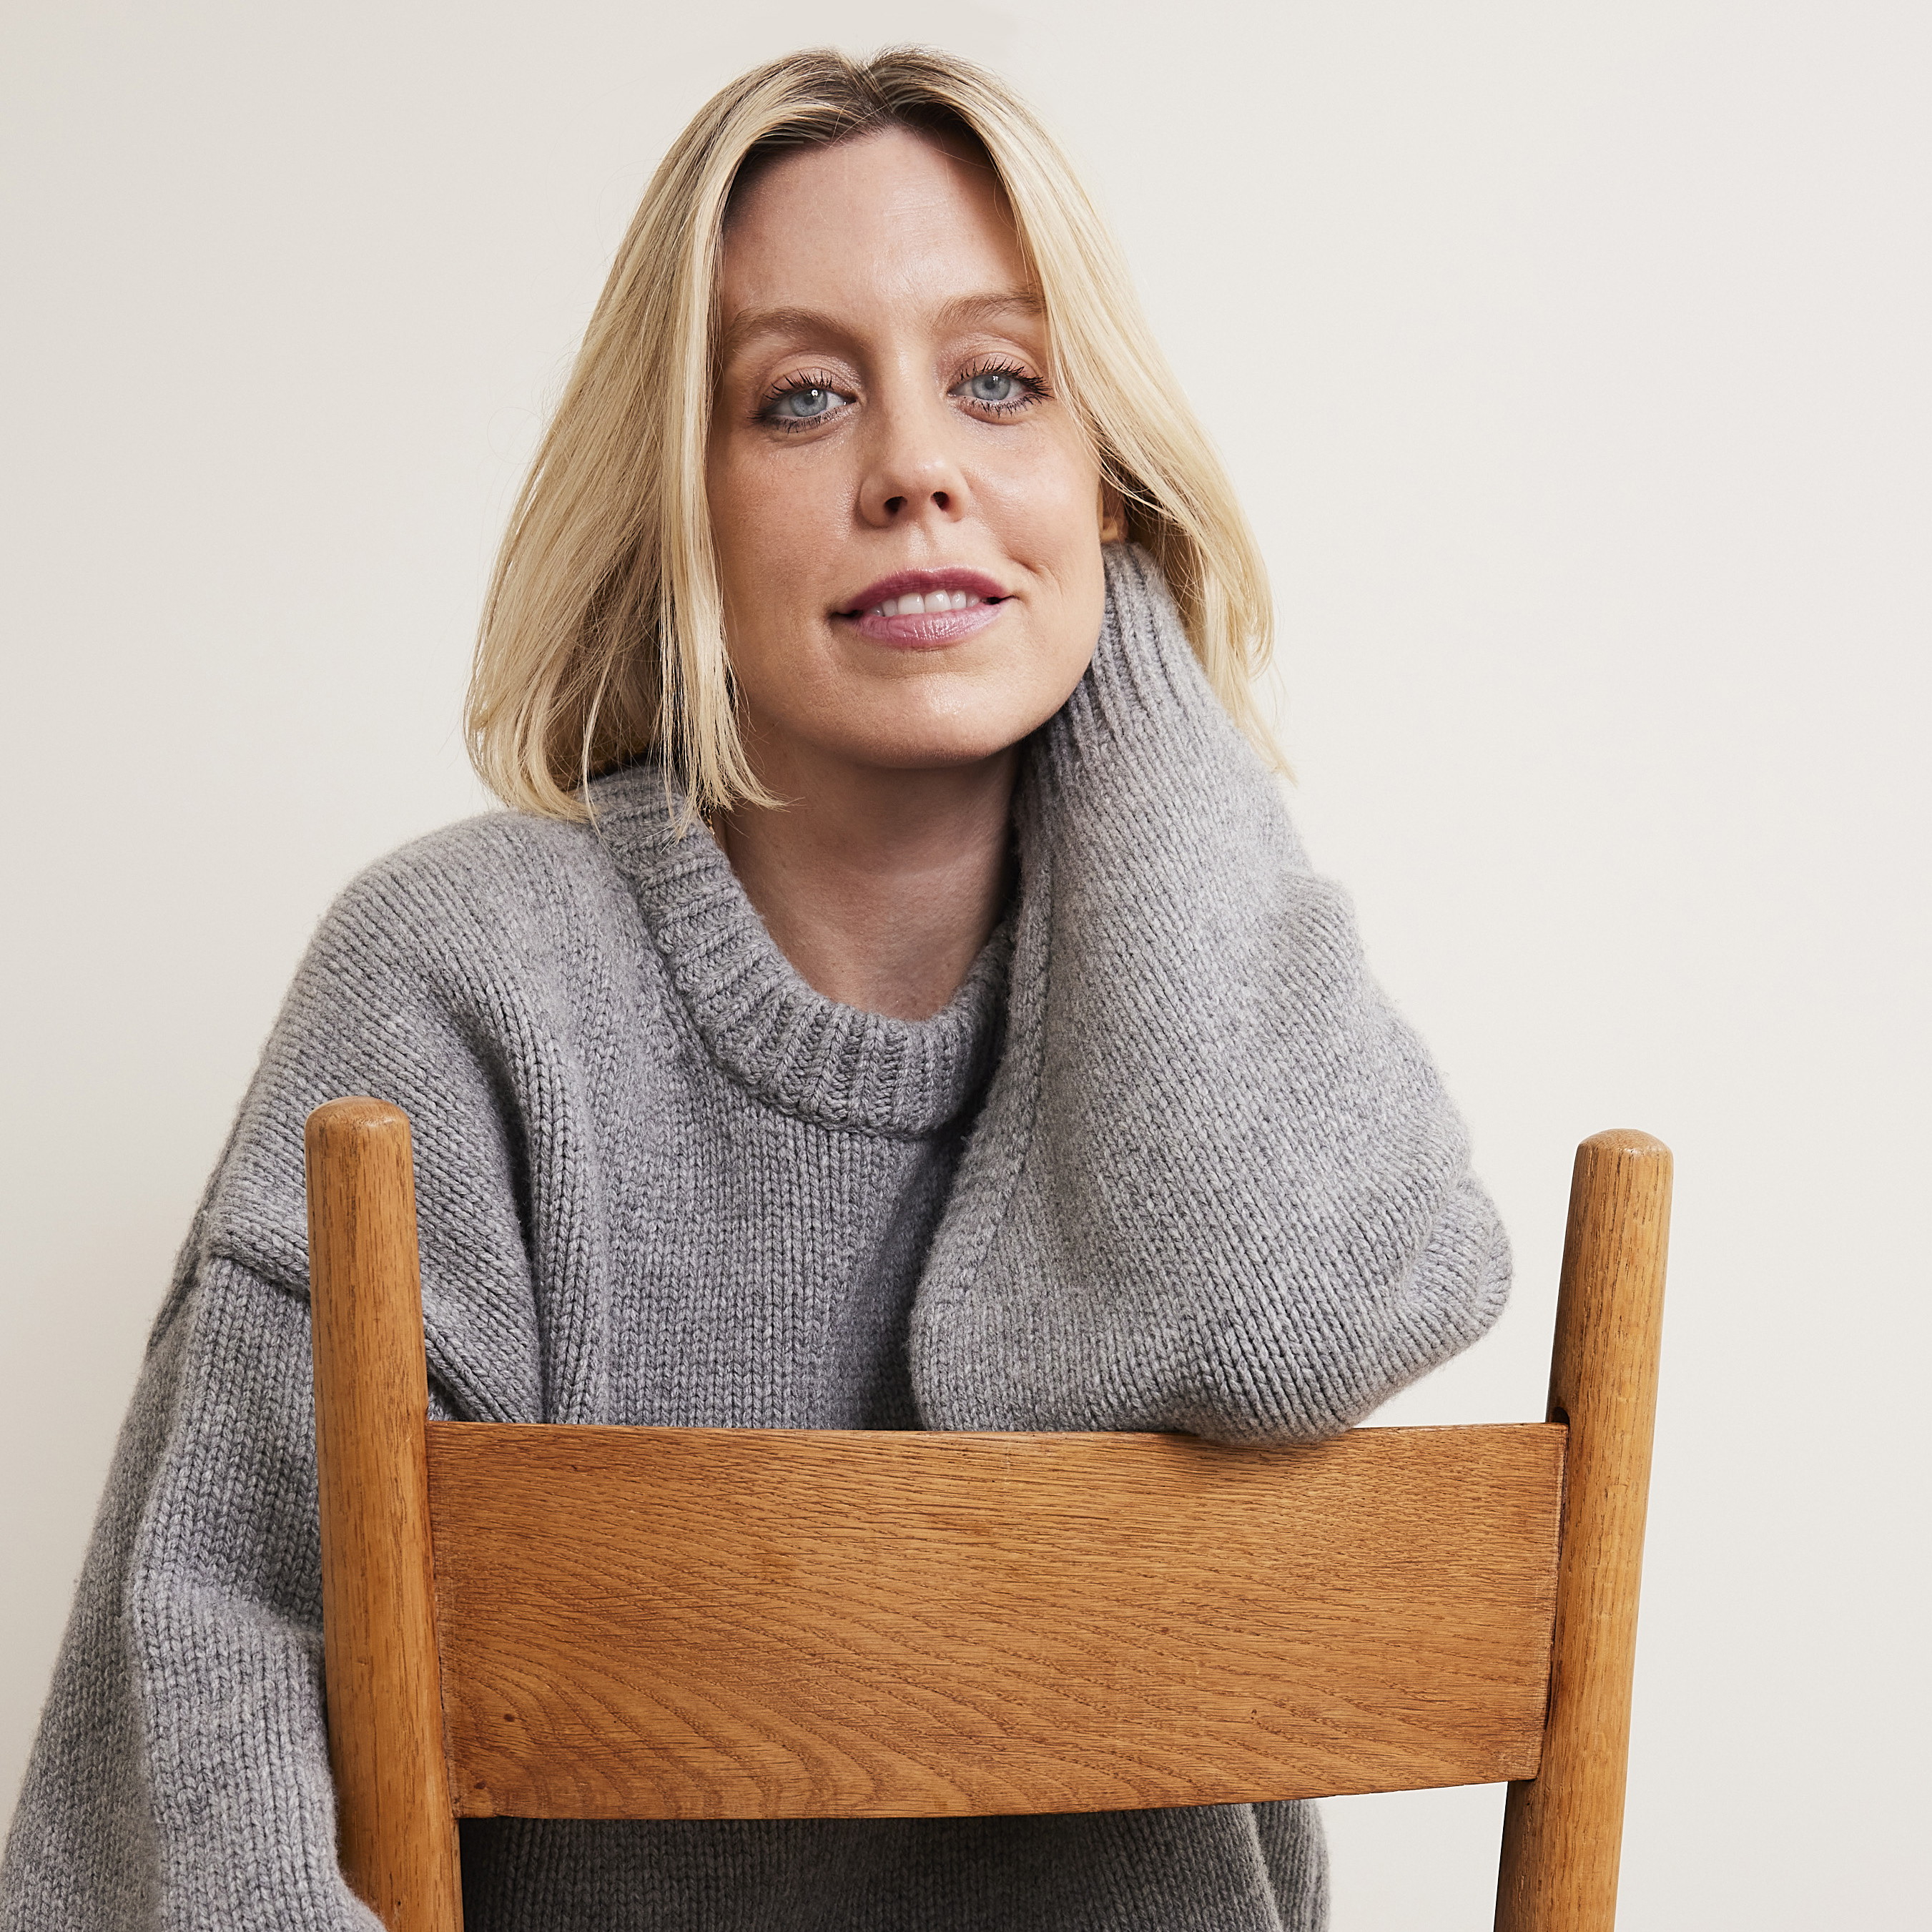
(397, 1828)
(747, 1623)
(1563, 1832)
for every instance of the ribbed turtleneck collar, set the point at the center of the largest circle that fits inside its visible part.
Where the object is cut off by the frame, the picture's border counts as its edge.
(791, 1046)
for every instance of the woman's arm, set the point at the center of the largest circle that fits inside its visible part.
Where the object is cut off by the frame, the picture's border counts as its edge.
(180, 1777)
(1216, 1186)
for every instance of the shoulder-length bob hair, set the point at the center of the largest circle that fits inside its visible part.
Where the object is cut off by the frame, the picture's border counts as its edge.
(602, 637)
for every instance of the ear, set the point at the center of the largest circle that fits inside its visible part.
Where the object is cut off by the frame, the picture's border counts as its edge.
(1113, 515)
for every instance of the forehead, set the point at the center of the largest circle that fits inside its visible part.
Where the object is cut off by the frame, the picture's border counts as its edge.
(888, 217)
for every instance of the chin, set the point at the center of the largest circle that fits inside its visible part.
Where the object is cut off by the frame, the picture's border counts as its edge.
(928, 747)
(992, 719)
(931, 755)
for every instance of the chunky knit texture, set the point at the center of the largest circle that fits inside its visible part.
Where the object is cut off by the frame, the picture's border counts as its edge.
(1167, 1161)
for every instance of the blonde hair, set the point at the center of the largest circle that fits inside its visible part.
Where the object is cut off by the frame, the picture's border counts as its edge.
(602, 637)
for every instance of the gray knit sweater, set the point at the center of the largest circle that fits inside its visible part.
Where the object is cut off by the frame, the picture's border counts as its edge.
(1167, 1161)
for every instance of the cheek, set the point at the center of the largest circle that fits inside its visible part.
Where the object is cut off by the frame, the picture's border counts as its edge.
(773, 524)
(1049, 515)
(1045, 507)
(1056, 483)
(764, 516)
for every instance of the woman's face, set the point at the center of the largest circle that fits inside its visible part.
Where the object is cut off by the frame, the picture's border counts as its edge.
(908, 524)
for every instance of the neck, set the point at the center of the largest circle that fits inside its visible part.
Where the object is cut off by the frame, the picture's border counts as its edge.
(880, 886)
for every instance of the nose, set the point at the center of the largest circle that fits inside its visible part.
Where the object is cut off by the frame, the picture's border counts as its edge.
(912, 475)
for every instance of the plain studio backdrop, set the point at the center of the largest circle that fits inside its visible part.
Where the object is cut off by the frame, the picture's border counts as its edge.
(1572, 360)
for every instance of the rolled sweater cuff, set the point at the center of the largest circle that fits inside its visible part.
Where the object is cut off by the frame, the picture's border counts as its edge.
(1144, 677)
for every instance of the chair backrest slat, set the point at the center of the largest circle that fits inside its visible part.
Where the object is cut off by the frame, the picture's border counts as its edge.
(699, 1623)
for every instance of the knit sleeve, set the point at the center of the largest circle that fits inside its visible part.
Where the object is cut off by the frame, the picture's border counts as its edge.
(181, 1778)
(1216, 1186)
(181, 1775)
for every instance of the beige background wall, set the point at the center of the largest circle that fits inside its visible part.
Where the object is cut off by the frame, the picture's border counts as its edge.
(1573, 359)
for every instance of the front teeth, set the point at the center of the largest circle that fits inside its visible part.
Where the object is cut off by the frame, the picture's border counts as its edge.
(912, 605)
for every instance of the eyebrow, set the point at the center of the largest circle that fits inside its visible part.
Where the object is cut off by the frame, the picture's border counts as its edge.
(962, 312)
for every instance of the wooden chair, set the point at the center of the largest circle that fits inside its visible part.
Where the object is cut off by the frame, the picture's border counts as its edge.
(712, 1623)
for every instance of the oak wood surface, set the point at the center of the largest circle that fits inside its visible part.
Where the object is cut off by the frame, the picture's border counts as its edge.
(396, 1829)
(741, 1623)
(1563, 1832)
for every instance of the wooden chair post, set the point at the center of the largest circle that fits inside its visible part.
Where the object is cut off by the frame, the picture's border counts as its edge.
(397, 1828)
(1563, 1830)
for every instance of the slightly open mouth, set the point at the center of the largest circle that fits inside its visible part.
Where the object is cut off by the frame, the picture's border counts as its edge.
(930, 620)
(931, 603)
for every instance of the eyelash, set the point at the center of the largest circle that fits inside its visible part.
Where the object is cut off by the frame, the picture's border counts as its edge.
(1037, 391)
(816, 378)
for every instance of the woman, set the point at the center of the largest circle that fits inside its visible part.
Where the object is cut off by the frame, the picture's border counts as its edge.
(897, 1000)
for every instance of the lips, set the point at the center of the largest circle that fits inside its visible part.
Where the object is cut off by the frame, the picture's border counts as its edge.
(966, 601)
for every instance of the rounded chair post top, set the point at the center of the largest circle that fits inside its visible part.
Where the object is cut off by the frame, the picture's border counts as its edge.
(1625, 1140)
(355, 1116)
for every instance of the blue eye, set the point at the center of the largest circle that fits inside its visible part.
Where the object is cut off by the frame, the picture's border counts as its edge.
(803, 405)
(1004, 391)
